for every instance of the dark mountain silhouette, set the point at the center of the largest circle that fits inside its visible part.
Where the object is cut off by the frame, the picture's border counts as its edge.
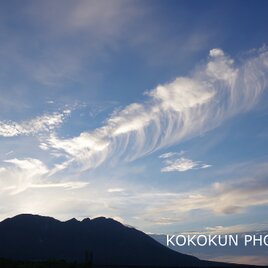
(33, 237)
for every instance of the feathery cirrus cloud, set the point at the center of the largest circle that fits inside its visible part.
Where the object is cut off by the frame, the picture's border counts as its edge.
(173, 112)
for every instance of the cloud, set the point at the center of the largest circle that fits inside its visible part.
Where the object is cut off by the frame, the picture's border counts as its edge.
(239, 228)
(232, 229)
(115, 190)
(163, 221)
(173, 112)
(216, 52)
(182, 164)
(34, 165)
(220, 198)
(170, 154)
(176, 162)
(240, 194)
(21, 174)
(44, 123)
(142, 207)
(88, 149)
(68, 184)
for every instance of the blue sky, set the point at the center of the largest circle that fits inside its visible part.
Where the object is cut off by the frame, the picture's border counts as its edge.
(150, 112)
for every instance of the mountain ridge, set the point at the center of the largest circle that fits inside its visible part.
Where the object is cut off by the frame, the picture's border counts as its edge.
(35, 237)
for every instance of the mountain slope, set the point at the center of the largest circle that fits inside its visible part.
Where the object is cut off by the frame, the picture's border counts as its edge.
(32, 237)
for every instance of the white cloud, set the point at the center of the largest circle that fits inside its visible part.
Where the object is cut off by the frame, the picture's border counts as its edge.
(229, 197)
(239, 228)
(141, 207)
(183, 164)
(68, 184)
(233, 196)
(173, 112)
(35, 166)
(115, 190)
(88, 149)
(231, 229)
(216, 52)
(221, 67)
(182, 94)
(171, 154)
(21, 174)
(44, 123)
(177, 162)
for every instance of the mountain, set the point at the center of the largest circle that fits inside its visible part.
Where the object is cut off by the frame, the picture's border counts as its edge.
(33, 237)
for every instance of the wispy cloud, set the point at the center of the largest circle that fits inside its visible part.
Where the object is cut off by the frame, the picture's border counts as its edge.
(139, 207)
(238, 228)
(232, 229)
(23, 174)
(183, 164)
(170, 154)
(221, 198)
(68, 185)
(44, 123)
(175, 161)
(115, 190)
(173, 112)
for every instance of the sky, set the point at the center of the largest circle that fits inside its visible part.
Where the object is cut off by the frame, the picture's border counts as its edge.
(154, 113)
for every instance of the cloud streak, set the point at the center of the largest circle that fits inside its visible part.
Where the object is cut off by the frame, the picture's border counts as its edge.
(44, 123)
(21, 174)
(170, 154)
(172, 112)
(220, 198)
(182, 164)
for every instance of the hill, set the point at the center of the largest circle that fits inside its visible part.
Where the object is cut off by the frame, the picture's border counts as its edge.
(106, 241)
